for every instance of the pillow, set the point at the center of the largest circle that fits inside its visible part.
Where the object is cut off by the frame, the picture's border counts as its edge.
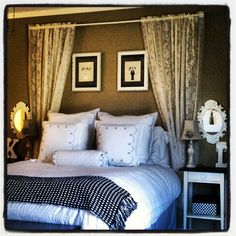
(72, 118)
(88, 117)
(148, 121)
(81, 158)
(57, 137)
(160, 147)
(123, 143)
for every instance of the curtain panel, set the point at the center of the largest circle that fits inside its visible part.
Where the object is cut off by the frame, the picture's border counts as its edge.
(49, 57)
(175, 50)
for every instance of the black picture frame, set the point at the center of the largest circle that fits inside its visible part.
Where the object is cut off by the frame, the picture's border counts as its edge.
(86, 72)
(132, 71)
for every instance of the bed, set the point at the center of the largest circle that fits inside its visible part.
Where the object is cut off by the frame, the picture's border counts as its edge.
(153, 187)
(130, 153)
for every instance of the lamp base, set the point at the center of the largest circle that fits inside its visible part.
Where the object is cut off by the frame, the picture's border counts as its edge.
(28, 149)
(190, 163)
(28, 156)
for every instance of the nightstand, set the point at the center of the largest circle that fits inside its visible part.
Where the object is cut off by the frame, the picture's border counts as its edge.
(205, 175)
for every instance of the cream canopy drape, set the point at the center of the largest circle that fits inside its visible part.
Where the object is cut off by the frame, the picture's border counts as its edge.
(175, 45)
(49, 57)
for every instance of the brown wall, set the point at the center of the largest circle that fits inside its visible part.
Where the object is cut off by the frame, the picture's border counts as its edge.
(109, 40)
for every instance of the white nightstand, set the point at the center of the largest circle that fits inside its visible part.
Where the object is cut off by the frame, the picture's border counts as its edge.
(206, 176)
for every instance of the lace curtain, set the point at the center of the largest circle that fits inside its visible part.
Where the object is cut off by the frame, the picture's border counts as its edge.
(175, 45)
(50, 50)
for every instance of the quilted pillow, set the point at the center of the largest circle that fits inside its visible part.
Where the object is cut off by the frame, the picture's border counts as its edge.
(160, 148)
(123, 143)
(148, 121)
(57, 137)
(88, 116)
(81, 158)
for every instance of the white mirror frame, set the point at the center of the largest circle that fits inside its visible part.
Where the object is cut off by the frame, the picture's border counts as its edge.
(19, 106)
(214, 137)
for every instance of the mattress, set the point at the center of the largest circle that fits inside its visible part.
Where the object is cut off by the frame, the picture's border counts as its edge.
(153, 187)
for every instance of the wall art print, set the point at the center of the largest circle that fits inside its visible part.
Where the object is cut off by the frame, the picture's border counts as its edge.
(132, 71)
(86, 71)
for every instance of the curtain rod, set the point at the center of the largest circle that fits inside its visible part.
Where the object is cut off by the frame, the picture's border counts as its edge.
(82, 24)
(152, 18)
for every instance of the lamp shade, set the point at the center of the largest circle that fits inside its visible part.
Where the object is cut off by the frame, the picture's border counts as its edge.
(29, 128)
(190, 131)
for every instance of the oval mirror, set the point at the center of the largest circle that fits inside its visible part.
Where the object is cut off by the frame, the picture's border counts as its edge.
(212, 121)
(19, 113)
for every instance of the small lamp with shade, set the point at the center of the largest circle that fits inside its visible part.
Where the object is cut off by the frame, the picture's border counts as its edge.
(190, 132)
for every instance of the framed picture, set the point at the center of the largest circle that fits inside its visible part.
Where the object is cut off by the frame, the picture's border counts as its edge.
(132, 71)
(86, 71)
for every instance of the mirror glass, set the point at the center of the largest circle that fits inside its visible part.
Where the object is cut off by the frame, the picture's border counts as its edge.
(19, 113)
(19, 118)
(212, 121)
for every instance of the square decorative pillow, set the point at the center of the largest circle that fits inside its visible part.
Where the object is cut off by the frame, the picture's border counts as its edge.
(160, 148)
(148, 121)
(88, 116)
(123, 143)
(81, 158)
(58, 137)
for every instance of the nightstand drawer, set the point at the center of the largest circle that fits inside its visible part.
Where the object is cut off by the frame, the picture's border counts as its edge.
(204, 177)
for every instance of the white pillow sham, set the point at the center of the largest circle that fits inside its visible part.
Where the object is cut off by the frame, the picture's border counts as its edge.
(148, 121)
(124, 144)
(88, 116)
(81, 158)
(160, 148)
(72, 118)
(57, 137)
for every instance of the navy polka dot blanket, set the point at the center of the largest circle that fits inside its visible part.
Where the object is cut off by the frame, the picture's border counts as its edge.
(97, 194)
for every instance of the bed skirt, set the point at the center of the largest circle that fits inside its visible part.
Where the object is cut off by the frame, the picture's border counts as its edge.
(167, 220)
(28, 226)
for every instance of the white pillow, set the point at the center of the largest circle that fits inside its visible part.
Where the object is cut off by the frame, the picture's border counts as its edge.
(88, 116)
(148, 121)
(160, 147)
(81, 158)
(57, 137)
(72, 118)
(123, 143)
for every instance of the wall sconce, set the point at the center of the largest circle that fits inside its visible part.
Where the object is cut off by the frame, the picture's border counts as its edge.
(190, 132)
(28, 131)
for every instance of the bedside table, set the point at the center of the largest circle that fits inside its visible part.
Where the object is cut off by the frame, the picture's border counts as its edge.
(205, 175)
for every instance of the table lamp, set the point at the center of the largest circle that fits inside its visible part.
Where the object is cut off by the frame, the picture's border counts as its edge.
(190, 132)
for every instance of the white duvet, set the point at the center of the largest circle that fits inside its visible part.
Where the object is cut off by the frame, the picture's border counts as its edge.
(153, 187)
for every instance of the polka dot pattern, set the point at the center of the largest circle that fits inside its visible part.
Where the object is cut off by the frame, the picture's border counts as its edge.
(97, 194)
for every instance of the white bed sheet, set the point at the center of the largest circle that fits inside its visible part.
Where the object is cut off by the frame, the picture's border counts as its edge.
(153, 187)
